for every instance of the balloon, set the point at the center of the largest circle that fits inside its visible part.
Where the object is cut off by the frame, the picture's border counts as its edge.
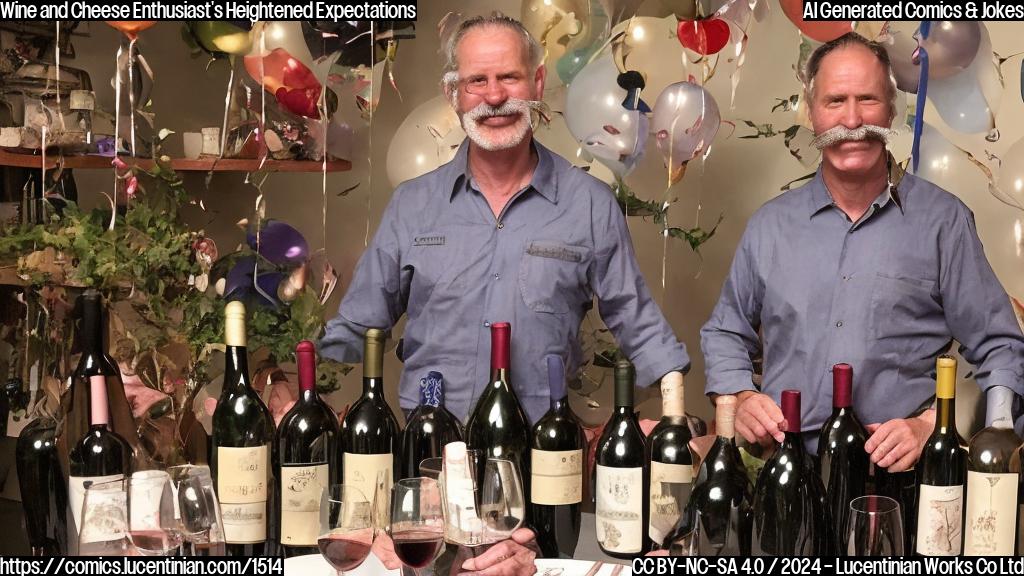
(216, 36)
(686, 120)
(952, 47)
(901, 46)
(820, 31)
(707, 36)
(596, 117)
(569, 65)
(131, 28)
(280, 243)
(427, 138)
(287, 35)
(681, 9)
(570, 32)
(651, 46)
(968, 101)
(289, 80)
(1011, 175)
(940, 161)
(620, 10)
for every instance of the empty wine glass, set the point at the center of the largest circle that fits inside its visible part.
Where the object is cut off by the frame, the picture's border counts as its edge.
(197, 511)
(502, 508)
(346, 527)
(105, 520)
(875, 527)
(417, 523)
(152, 524)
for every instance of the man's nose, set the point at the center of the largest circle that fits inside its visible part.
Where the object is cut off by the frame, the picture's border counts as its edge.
(495, 94)
(852, 116)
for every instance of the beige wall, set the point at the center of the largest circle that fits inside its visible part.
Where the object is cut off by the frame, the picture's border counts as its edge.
(737, 178)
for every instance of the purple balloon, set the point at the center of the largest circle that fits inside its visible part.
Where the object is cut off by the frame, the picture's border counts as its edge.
(268, 282)
(239, 278)
(280, 243)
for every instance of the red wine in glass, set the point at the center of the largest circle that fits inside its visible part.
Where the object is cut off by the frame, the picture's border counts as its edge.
(344, 552)
(417, 548)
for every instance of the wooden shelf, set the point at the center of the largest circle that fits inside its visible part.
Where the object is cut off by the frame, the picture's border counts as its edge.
(9, 277)
(179, 164)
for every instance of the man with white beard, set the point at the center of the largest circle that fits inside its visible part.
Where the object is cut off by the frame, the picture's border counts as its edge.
(507, 231)
(863, 265)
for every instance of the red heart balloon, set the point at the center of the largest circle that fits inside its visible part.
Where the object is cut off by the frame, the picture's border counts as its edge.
(705, 37)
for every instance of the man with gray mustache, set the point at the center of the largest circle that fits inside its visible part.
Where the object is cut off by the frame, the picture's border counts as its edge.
(864, 265)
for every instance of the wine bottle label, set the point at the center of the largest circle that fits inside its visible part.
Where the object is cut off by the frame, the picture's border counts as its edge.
(557, 477)
(619, 509)
(361, 471)
(301, 488)
(76, 495)
(991, 514)
(242, 488)
(670, 491)
(940, 520)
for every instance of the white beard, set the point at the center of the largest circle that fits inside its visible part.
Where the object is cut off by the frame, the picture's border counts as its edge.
(507, 136)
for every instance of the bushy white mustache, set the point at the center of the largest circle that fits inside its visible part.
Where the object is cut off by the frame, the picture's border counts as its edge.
(509, 107)
(841, 133)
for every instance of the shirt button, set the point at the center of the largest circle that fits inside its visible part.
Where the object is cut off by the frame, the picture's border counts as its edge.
(501, 225)
(497, 276)
(487, 324)
(839, 324)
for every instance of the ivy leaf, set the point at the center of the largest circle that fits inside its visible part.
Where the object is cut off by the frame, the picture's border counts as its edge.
(695, 237)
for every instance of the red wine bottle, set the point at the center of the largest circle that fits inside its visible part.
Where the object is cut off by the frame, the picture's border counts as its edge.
(942, 473)
(668, 451)
(623, 475)
(498, 426)
(44, 496)
(556, 461)
(370, 434)
(243, 432)
(790, 515)
(843, 463)
(429, 428)
(307, 455)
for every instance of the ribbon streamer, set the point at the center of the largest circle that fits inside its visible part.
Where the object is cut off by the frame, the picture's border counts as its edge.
(922, 93)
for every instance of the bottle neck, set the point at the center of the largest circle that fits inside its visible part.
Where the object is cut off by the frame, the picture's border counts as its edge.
(236, 368)
(672, 403)
(560, 404)
(499, 375)
(945, 415)
(999, 407)
(373, 386)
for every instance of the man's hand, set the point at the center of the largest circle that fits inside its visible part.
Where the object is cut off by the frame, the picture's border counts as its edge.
(758, 418)
(384, 549)
(506, 558)
(896, 445)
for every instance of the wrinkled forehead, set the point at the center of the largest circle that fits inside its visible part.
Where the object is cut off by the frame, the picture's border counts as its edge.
(490, 48)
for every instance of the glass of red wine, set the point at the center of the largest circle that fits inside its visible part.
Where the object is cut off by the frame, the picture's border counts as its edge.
(875, 527)
(417, 524)
(346, 527)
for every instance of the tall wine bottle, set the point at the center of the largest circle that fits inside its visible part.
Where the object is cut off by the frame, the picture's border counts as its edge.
(556, 461)
(623, 475)
(942, 473)
(370, 434)
(993, 477)
(430, 427)
(243, 432)
(307, 456)
(719, 505)
(668, 451)
(498, 425)
(790, 515)
(43, 490)
(843, 464)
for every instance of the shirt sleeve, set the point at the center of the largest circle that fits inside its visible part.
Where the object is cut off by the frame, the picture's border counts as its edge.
(625, 302)
(375, 298)
(978, 310)
(730, 338)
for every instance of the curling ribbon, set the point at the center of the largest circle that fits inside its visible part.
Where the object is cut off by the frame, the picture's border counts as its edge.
(922, 93)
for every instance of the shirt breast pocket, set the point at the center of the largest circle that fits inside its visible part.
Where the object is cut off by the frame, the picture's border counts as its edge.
(898, 304)
(553, 276)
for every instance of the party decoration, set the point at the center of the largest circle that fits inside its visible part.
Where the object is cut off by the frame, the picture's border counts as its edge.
(920, 58)
(426, 139)
(968, 101)
(952, 46)
(220, 37)
(901, 46)
(570, 31)
(649, 46)
(291, 82)
(705, 37)
(681, 9)
(820, 31)
(1011, 175)
(131, 28)
(279, 243)
(620, 10)
(686, 120)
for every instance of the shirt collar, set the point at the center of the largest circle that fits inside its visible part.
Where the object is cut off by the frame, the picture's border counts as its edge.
(821, 198)
(455, 175)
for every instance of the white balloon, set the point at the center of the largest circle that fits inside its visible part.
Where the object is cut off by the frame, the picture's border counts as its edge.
(968, 101)
(427, 138)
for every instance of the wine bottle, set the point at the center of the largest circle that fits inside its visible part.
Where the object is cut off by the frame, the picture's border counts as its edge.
(942, 473)
(243, 432)
(430, 427)
(307, 454)
(993, 477)
(623, 475)
(556, 462)
(668, 451)
(790, 515)
(843, 464)
(719, 506)
(43, 491)
(370, 432)
(498, 426)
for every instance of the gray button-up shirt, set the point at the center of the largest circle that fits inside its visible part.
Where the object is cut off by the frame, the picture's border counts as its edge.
(886, 294)
(441, 257)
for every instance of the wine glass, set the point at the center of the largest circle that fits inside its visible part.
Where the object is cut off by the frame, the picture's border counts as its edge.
(875, 527)
(152, 523)
(104, 529)
(197, 511)
(417, 523)
(502, 506)
(346, 527)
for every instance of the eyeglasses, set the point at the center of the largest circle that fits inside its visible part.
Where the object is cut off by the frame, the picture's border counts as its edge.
(479, 85)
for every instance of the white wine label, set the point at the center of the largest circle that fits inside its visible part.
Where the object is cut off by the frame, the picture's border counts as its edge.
(242, 475)
(556, 477)
(76, 494)
(940, 520)
(301, 488)
(991, 514)
(361, 471)
(619, 509)
(670, 491)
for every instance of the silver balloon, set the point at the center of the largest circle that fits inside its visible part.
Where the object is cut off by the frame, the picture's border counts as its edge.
(426, 139)
(1011, 174)
(951, 46)
(901, 45)
(968, 101)
(686, 120)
